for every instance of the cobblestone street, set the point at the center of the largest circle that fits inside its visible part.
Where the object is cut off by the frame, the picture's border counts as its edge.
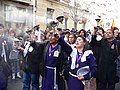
(17, 85)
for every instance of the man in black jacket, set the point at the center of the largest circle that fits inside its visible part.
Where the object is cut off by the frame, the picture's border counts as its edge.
(32, 54)
(107, 74)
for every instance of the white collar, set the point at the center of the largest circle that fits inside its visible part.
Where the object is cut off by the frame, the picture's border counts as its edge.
(83, 59)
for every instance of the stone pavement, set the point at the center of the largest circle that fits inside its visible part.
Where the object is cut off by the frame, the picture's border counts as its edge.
(17, 84)
(117, 86)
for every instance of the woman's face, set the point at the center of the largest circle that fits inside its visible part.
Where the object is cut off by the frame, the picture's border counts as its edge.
(82, 33)
(116, 32)
(79, 42)
(71, 39)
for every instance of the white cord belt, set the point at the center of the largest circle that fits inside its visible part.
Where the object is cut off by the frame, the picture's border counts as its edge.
(76, 77)
(54, 68)
(73, 74)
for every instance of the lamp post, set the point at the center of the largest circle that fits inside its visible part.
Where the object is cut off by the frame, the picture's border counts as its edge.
(84, 20)
(66, 18)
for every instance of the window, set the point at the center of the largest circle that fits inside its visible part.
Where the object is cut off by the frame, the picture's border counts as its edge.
(15, 18)
(15, 14)
(49, 17)
(50, 13)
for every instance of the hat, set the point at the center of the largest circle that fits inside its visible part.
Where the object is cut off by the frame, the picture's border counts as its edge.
(59, 29)
(60, 18)
(35, 28)
(53, 23)
(54, 32)
(28, 31)
(16, 40)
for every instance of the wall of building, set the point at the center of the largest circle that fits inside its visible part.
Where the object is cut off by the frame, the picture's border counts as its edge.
(59, 10)
(16, 15)
(40, 13)
(1, 13)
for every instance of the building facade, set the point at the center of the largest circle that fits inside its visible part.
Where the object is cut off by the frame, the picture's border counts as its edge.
(16, 14)
(49, 10)
(21, 14)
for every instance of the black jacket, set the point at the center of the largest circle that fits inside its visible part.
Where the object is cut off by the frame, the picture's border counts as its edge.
(32, 60)
(107, 61)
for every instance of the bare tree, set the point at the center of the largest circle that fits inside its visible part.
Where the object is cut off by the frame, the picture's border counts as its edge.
(77, 12)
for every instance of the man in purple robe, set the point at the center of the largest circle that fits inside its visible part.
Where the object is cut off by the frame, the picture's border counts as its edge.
(55, 54)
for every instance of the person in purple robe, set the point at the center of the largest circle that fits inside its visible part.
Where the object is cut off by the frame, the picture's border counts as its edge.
(82, 65)
(54, 58)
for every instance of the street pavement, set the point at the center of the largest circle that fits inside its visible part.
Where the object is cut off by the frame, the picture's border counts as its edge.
(17, 84)
(117, 86)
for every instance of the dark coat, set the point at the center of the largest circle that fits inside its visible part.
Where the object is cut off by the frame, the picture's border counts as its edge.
(31, 61)
(8, 46)
(3, 78)
(95, 47)
(107, 63)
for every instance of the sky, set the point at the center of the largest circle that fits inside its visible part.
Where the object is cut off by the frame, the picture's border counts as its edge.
(107, 9)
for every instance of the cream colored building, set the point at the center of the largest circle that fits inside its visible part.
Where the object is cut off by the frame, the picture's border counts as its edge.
(16, 14)
(19, 14)
(48, 10)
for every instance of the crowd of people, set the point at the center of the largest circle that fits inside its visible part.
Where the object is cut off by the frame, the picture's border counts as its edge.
(65, 59)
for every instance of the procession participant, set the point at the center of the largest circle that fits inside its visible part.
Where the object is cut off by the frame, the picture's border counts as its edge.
(83, 65)
(55, 55)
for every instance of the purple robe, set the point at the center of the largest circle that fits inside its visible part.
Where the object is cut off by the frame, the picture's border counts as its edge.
(49, 82)
(73, 82)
